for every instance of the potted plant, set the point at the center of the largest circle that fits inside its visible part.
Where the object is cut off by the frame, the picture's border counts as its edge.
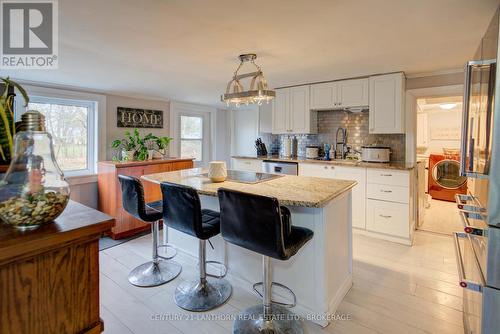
(143, 145)
(127, 145)
(162, 143)
(7, 125)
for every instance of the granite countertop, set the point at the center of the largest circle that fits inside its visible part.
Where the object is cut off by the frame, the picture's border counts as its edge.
(289, 189)
(339, 162)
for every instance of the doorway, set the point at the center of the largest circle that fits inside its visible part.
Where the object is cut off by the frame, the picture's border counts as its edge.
(438, 149)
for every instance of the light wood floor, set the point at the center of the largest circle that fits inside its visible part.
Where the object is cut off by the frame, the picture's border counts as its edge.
(441, 217)
(397, 289)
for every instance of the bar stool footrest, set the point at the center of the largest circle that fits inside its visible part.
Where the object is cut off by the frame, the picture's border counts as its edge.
(223, 267)
(167, 246)
(284, 287)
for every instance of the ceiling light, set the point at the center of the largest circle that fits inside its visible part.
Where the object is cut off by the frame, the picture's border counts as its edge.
(258, 92)
(447, 106)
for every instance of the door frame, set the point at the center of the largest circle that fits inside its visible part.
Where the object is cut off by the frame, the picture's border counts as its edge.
(411, 113)
(208, 113)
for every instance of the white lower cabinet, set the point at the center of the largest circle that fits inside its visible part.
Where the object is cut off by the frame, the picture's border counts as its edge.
(388, 218)
(382, 201)
(250, 165)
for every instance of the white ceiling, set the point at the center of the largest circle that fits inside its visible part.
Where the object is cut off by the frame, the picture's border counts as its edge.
(186, 49)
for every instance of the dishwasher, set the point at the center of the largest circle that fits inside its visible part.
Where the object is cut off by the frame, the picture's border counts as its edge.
(275, 167)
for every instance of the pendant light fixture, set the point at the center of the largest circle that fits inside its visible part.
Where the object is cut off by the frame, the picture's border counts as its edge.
(258, 92)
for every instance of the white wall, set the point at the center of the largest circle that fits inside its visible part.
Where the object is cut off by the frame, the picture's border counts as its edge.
(438, 119)
(113, 132)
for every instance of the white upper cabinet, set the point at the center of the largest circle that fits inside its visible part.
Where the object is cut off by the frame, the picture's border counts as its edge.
(353, 93)
(422, 133)
(339, 94)
(387, 103)
(280, 106)
(324, 96)
(291, 111)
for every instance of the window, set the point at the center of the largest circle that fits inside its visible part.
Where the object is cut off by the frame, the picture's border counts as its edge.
(192, 137)
(71, 124)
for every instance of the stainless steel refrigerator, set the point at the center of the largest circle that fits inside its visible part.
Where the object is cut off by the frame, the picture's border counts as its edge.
(478, 245)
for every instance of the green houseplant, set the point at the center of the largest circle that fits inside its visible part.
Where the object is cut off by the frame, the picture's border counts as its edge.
(162, 143)
(7, 125)
(127, 145)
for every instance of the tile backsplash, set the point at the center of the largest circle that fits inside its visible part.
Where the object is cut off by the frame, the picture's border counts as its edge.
(357, 134)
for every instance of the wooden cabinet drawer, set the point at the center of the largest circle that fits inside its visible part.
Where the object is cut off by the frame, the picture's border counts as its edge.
(388, 218)
(388, 176)
(386, 192)
(251, 165)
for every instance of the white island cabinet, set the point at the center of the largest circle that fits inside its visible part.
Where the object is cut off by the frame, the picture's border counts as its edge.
(320, 274)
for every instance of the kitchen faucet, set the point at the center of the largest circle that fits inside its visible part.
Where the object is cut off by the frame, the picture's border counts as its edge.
(343, 142)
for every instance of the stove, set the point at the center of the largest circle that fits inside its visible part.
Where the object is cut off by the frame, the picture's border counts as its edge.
(248, 177)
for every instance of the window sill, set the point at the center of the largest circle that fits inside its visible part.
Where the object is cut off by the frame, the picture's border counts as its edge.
(74, 180)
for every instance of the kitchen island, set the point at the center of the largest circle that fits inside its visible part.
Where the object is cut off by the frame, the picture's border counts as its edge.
(320, 274)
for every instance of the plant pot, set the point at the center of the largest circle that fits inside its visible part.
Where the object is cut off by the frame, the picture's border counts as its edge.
(151, 154)
(128, 155)
(164, 151)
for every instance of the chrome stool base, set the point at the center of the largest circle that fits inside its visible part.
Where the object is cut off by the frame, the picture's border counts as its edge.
(198, 296)
(154, 273)
(251, 321)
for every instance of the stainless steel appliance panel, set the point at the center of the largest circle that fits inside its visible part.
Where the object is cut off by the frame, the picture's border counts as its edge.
(490, 311)
(288, 168)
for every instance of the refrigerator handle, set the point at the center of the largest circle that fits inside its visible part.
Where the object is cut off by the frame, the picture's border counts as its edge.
(464, 283)
(465, 119)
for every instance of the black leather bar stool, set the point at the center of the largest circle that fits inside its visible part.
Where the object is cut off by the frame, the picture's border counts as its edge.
(160, 270)
(182, 210)
(260, 224)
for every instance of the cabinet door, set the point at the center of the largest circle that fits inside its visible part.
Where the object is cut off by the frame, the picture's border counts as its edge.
(323, 95)
(280, 111)
(358, 192)
(387, 103)
(317, 170)
(250, 165)
(300, 114)
(353, 93)
(388, 218)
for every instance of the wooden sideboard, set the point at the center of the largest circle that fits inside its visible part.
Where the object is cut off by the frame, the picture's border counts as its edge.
(110, 199)
(49, 277)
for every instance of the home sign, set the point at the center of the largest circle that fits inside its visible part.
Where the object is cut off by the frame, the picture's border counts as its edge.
(139, 118)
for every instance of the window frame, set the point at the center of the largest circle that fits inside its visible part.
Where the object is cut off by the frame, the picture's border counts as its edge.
(91, 129)
(201, 139)
(70, 93)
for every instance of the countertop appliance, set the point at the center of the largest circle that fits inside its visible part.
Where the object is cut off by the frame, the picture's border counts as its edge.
(286, 168)
(445, 180)
(312, 152)
(477, 247)
(375, 153)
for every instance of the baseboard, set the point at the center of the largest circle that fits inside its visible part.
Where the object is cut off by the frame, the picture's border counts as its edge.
(399, 240)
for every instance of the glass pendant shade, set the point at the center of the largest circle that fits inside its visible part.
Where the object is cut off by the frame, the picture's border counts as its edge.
(258, 92)
(33, 191)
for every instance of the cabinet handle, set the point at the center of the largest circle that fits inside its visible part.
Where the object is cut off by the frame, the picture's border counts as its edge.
(385, 174)
(385, 216)
(326, 167)
(332, 167)
(385, 191)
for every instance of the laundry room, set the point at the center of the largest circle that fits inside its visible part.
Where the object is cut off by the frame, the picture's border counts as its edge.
(438, 147)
